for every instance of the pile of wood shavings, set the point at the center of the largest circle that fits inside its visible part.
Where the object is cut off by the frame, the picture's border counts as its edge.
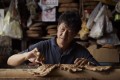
(46, 69)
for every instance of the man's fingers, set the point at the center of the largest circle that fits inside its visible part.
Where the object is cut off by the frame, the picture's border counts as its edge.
(78, 59)
(78, 62)
(84, 62)
(81, 62)
(40, 58)
(35, 50)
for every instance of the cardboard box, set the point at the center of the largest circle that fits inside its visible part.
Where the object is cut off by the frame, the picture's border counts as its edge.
(104, 54)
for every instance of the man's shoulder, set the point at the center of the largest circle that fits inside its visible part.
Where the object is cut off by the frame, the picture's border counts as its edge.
(80, 46)
(44, 42)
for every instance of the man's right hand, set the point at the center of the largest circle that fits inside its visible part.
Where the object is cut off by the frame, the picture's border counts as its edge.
(34, 56)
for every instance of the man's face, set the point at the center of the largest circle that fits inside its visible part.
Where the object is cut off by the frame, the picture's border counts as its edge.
(64, 34)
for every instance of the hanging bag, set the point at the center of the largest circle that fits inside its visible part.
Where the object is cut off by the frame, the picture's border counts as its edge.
(12, 26)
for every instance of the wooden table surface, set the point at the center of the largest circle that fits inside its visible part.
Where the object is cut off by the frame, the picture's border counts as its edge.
(59, 74)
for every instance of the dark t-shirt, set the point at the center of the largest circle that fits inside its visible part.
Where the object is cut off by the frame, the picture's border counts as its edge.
(54, 55)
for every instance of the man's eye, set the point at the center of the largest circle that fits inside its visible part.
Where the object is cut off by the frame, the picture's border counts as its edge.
(62, 30)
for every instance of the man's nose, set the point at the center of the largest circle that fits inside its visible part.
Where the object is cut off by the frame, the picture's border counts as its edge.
(64, 34)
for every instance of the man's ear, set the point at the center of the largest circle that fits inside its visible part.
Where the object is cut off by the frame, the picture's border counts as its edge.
(57, 27)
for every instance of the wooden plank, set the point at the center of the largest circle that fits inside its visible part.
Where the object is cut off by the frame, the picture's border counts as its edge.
(24, 73)
(12, 73)
(59, 74)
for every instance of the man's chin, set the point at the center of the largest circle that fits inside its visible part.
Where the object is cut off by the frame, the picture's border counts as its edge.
(63, 43)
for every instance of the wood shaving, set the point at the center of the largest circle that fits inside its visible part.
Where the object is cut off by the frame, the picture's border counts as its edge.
(45, 69)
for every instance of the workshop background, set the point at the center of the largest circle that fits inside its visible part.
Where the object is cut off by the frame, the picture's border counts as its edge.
(25, 22)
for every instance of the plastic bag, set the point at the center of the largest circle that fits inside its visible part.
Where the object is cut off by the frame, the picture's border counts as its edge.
(12, 26)
(109, 26)
(101, 12)
(117, 7)
(97, 29)
(93, 15)
(109, 39)
(13, 30)
(1, 26)
(1, 20)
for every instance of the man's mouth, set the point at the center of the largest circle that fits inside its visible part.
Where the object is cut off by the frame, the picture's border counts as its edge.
(62, 39)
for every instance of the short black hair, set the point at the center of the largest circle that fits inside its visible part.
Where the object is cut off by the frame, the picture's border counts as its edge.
(71, 19)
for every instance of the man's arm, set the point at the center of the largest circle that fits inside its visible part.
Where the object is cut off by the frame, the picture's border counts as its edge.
(18, 59)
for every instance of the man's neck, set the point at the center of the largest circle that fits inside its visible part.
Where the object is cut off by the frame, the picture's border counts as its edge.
(61, 46)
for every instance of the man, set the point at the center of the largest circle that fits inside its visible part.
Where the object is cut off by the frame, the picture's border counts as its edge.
(60, 49)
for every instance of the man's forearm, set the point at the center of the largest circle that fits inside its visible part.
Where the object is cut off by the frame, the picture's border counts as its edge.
(16, 59)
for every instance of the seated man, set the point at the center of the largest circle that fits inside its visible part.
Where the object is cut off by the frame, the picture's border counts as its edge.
(60, 49)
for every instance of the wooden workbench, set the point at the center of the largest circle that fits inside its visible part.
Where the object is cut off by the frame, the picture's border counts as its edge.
(59, 75)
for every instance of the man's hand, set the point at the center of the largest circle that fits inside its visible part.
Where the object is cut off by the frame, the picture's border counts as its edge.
(34, 56)
(84, 63)
(81, 62)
